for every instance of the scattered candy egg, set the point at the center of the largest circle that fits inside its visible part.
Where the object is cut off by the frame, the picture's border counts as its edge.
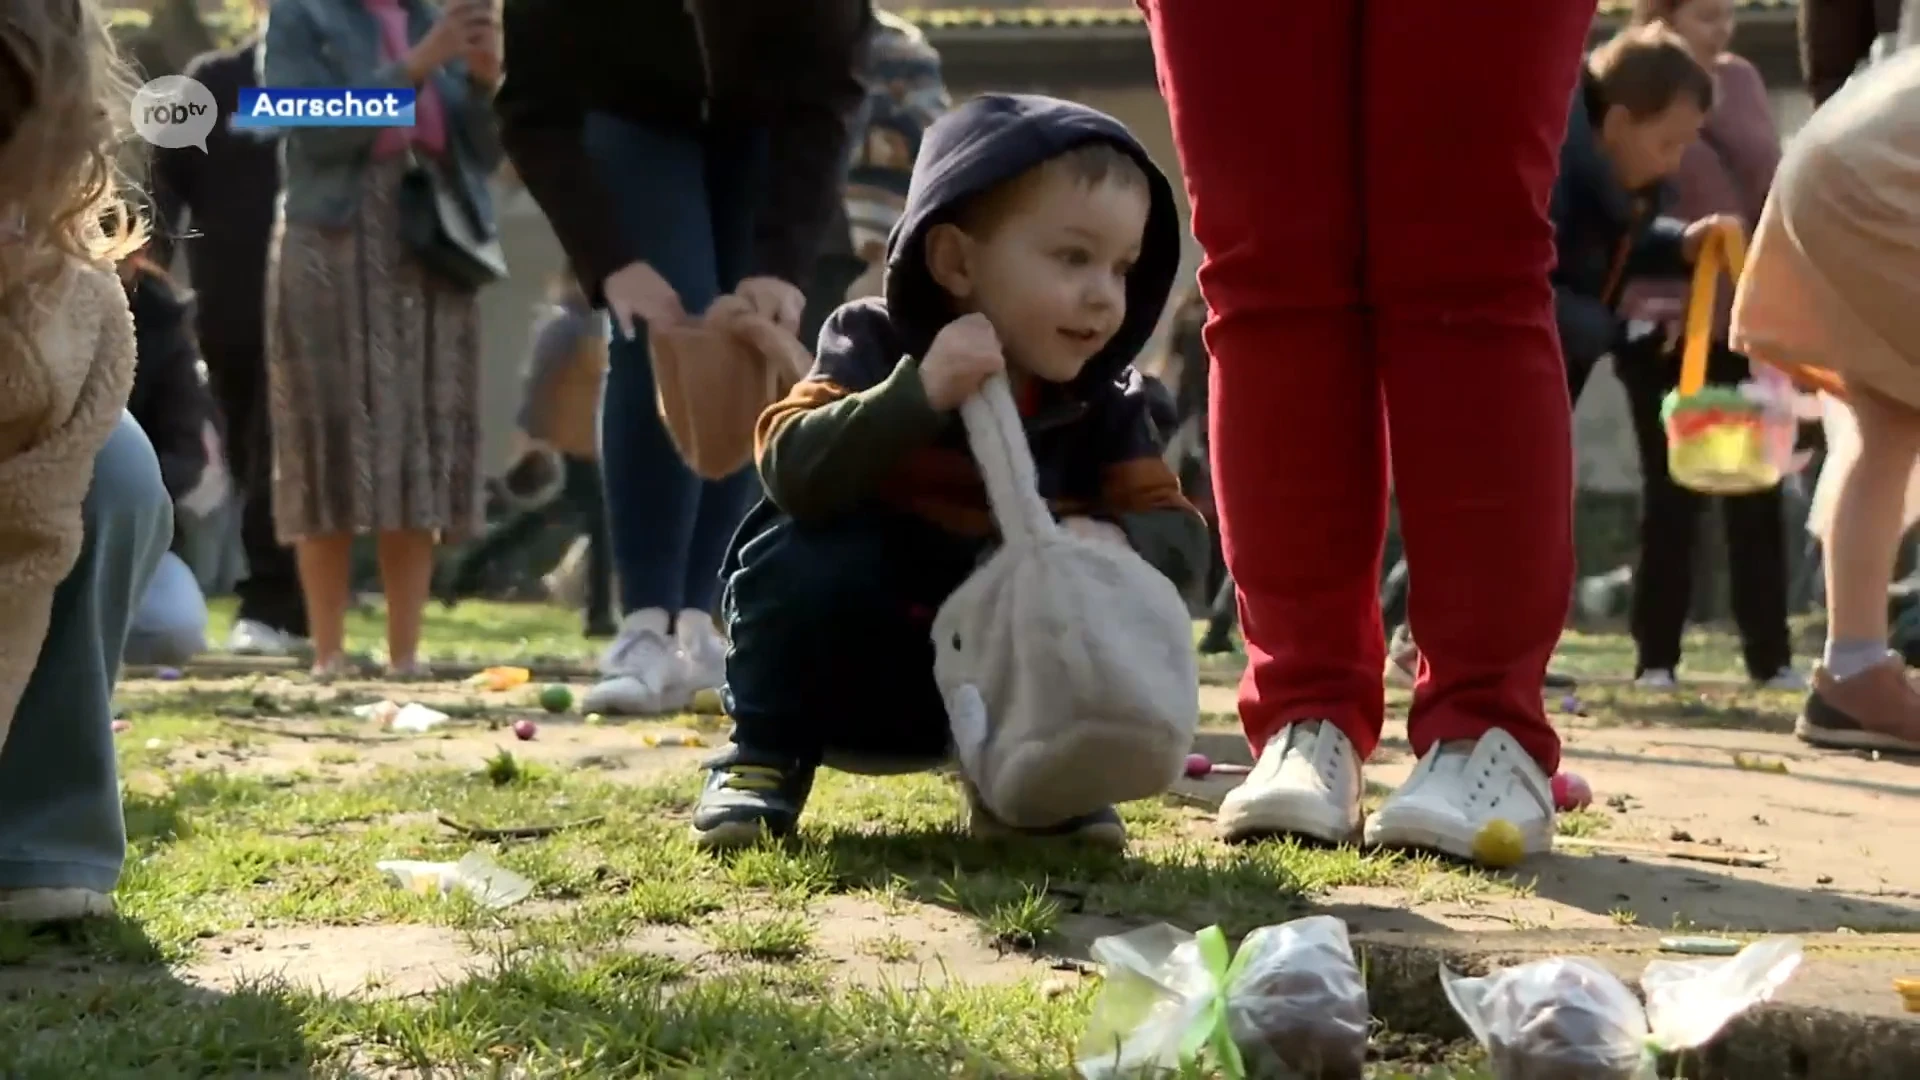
(1571, 792)
(1499, 845)
(122, 725)
(524, 729)
(1198, 765)
(594, 718)
(1570, 704)
(167, 674)
(556, 698)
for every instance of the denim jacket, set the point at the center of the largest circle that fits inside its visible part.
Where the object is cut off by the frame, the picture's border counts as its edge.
(335, 43)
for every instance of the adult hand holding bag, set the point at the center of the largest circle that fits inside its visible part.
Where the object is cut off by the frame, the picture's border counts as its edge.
(1066, 663)
(713, 378)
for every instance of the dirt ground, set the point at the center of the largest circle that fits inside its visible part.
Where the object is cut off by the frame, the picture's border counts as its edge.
(1830, 836)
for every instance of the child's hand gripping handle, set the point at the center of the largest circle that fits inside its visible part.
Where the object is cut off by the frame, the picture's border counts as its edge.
(1723, 252)
(999, 443)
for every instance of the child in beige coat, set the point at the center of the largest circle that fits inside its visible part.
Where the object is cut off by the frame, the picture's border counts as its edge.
(84, 516)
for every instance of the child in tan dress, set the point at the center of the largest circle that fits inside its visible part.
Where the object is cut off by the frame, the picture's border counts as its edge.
(1830, 288)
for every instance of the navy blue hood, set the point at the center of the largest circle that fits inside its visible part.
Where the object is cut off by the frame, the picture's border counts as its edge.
(992, 139)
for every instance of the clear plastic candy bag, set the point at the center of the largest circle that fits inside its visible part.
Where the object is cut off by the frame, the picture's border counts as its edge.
(1291, 1005)
(1571, 1019)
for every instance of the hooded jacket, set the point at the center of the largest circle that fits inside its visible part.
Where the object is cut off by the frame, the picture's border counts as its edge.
(859, 427)
(1604, 236)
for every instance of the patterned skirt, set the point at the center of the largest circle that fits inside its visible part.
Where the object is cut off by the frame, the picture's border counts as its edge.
(373, 367)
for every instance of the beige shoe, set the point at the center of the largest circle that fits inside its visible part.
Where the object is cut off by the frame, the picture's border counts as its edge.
(37, 906)
(1878, 709)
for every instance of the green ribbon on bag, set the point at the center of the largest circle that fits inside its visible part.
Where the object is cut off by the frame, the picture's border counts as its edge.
(1211, 1031)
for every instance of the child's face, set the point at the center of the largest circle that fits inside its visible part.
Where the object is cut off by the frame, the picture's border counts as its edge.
(1644, 151)
(1052, 274)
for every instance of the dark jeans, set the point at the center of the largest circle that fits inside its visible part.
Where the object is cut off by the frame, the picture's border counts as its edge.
(829, 624)
(579, 504)
(1756, 530)
(270, 593)
(687, 203)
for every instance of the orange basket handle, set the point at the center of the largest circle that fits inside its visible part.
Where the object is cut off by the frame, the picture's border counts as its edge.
(1724, 251)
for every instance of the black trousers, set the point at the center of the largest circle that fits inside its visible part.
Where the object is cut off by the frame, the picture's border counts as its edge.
(1755, 528)
(579, 504)
(829, 626)
(270, 594)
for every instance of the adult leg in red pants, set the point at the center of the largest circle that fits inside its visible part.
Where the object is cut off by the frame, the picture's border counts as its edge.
(1370, 182)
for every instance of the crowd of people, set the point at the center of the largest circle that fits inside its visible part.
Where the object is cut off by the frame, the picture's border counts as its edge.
(800, 159)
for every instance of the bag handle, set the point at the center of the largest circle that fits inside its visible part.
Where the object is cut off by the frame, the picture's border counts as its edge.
(999, 443)
(1723, 251)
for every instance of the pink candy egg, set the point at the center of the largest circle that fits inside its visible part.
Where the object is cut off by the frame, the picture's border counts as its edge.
(1571, 792)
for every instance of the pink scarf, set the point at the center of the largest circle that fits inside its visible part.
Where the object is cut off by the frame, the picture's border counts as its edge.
(429, 131)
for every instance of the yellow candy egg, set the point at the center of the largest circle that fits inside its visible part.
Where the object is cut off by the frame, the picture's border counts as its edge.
(1499, 845)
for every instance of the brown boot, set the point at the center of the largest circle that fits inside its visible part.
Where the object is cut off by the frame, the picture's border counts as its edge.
(1877, 709)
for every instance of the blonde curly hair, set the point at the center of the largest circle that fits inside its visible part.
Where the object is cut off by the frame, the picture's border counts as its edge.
(65, 101)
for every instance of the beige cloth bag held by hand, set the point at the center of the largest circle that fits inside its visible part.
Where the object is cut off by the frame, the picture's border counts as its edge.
(713, 379)
(1067, 664)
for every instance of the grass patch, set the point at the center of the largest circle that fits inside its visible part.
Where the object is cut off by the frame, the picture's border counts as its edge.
(637, 954)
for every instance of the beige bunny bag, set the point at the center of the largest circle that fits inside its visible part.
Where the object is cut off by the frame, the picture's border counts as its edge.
(714, 378)
(1067, 664)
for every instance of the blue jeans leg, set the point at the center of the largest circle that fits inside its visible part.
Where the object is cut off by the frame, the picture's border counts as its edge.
(687, 201)
(60, 822)
(170, 626)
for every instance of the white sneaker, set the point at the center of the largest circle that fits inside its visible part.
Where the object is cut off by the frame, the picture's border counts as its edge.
(641, 670)
(35, 906)
(1307, 783)
(703, 651)
(1460, 787)
(251, 637)
(1786, 679)
(1657, 679)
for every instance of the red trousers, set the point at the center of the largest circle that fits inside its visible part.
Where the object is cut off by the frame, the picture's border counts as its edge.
(1369, 180)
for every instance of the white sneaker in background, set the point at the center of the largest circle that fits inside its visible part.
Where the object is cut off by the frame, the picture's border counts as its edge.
(703, 651)
(640, 670)
(250, 637)
(1657, 679)
(1458, 788)
(1307, 783)
(1786, 679)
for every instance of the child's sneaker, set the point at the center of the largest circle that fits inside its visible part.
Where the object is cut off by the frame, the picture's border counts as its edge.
(36, 907)
(1307, 783)
(641, 670)
(1656, 679)
(1458, 788)
(1103, 827)
(749, 796)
